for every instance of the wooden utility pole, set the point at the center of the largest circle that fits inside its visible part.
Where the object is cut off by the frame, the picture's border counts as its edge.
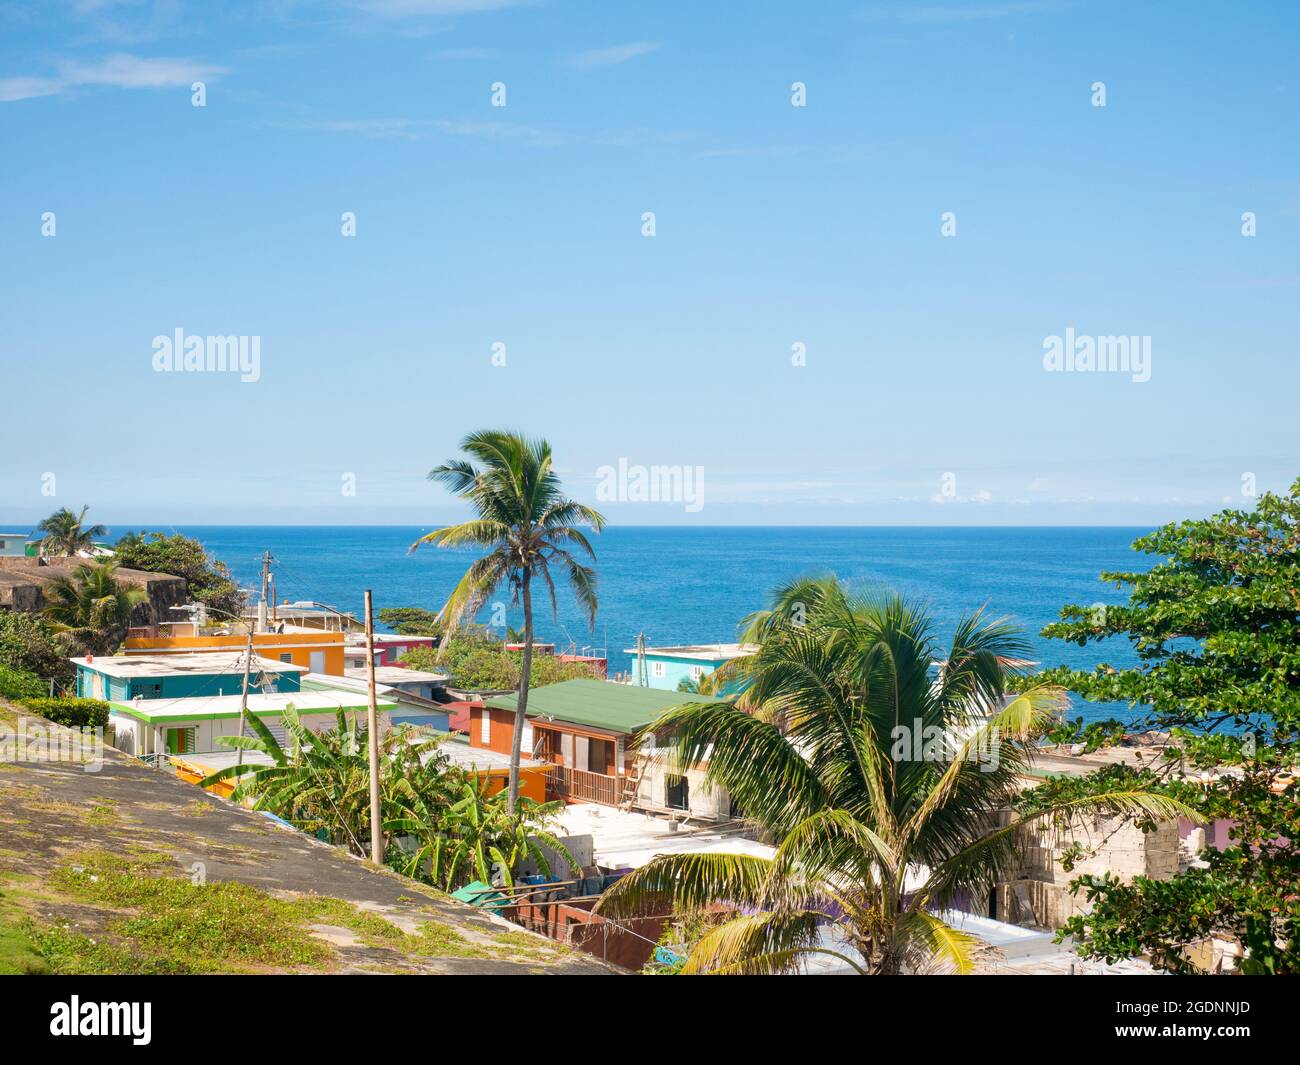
(243, 699)
(372, 730)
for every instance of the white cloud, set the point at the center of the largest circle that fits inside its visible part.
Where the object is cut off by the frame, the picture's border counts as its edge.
(618, 53)
(28, 88)
(120, 71)
(125, 71)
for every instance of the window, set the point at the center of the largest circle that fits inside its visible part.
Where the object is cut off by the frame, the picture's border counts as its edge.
(147, 691)
(485, 727)
(286, 657)
(697, 672)
(658, 669)
(677, 793)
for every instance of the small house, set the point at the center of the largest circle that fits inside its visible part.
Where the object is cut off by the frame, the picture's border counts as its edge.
(666, 667)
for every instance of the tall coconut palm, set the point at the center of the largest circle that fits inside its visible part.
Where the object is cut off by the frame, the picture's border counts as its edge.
(64, 533)
(91, 608)
(528, 526)
(884, 770)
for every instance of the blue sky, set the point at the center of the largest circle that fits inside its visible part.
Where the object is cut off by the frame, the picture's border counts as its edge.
(774, 226)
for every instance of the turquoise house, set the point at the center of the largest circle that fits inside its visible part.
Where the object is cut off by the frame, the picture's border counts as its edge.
(667, 667)
(13, 545)
(180, 676)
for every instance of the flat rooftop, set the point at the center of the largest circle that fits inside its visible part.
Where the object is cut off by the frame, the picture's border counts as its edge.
(182, 665)
(204, 707)
(704, 652)
(395, 675)
(485, 761)
(356, 639)
(626, 839)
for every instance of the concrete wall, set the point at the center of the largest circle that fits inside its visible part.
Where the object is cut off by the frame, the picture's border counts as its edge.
(143, 737)
(713, 804)
(181, 686)
(1041, 896)
(675, 670)
(299, 646)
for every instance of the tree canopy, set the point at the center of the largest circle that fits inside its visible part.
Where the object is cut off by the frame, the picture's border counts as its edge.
(1216, 627)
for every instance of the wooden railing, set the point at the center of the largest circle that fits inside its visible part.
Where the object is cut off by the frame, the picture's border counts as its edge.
(579, 785)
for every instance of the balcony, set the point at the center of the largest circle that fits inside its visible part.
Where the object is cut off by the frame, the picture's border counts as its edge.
(578, 785)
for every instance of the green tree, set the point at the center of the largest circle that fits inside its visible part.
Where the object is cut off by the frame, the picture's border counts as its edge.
(527, 524)
(477, 836)
(28, 643)
(321, 782)
(207, 579)
(411, 621)
(1216, 627)
(871, 768)
(91, 609)
(65, 534)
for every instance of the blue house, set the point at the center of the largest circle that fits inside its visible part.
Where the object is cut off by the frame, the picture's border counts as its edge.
(667, 667)
(180, 676)
(13, 545)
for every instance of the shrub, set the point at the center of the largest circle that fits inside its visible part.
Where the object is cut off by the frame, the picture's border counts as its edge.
(71, 712)
(21, 685)
(29, 645)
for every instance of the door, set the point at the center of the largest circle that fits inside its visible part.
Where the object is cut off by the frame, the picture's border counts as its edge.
(677, 793)
(180, 741)
(318, 661)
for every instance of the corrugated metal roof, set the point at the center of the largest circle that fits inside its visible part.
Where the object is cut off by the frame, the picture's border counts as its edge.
(599, 703)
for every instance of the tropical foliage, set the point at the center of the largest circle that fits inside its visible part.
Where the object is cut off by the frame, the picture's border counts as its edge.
(439, 826)
(65, 533)
(476, 837)
(479, 663)
(881, 776)
(91, 609)
(528, 528)
(29, 644)
(208, 580)
(411, 621)
(1216, 627)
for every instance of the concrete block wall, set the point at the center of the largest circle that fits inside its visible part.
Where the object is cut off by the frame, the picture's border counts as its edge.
(1041, 896)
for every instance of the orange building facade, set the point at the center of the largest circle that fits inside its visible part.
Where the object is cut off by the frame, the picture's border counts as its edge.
(320, 652)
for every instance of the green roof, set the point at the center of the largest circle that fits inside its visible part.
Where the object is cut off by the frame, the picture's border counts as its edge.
(600, 703)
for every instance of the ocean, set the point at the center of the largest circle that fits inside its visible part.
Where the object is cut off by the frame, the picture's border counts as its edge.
(694, 585)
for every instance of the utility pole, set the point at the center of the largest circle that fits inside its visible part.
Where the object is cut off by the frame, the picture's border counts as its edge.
(372, 730)
(266, 577)
(243, 699)
(641, 678)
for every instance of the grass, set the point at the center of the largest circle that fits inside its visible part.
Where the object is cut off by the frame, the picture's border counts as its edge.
(19, 955)
(173, 925)
(148, 919)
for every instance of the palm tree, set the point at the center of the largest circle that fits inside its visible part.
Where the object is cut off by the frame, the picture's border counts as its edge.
(885, 777)
(65, 535)
(321, 783)
(91, 608)
(528, 525)
(475, 835)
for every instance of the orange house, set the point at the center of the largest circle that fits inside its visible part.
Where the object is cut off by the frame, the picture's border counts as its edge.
(320, 652)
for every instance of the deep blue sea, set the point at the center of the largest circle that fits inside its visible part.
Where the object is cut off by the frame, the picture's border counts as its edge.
(687, 585)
